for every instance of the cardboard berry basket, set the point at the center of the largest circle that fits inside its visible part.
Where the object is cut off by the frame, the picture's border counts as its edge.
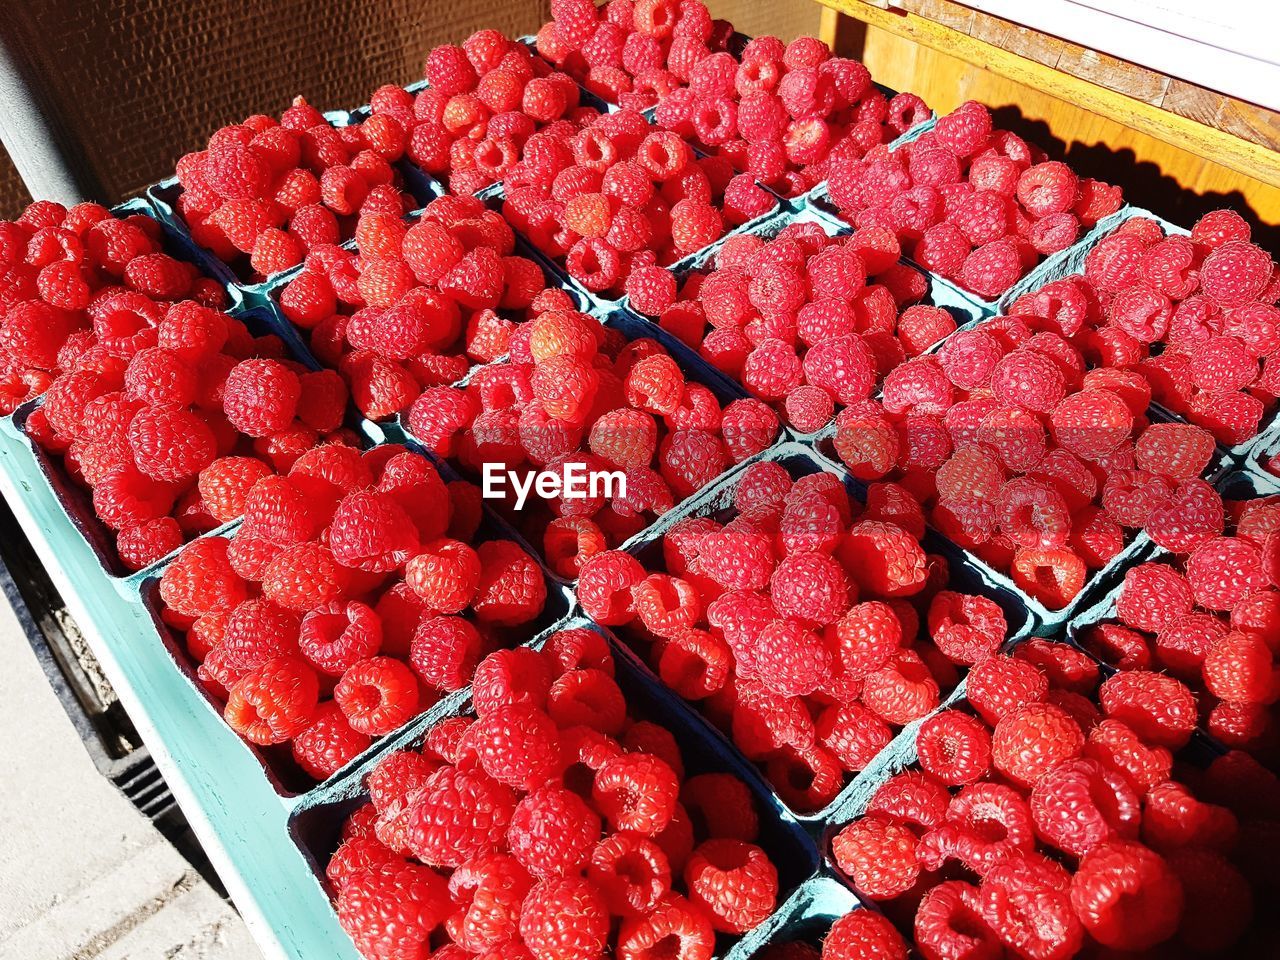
(940, 293)
(235, 813)
(529, 529)
(276, 763)
(1268, 446)
(77, 500)
(1071, 261)
(163, 198)
(716, 501)
(316, 822)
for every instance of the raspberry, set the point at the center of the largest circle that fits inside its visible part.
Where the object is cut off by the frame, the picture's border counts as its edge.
(552, 831)
(965, 130)
(1235, 273)
(809, 586)
(1217, 901)
(883, 559)
(1160, 709)
(863, 935)
(966, 629)
(225, 484)
(444, 651)
(170, 444)
(1153, 595)
(378, 695)
(791, 660)
(1126, 896)
(1239, 668)
(261, 397)
(949, 923)
(674, 928)
(1173, 818)
(605, 584)
(901, 691)
(636, 792)
(734, 882)
(1114, 745)
(333, 638)
(200, 580)
(273, 703)
(393, 910)
(631, 871)
(511, 589)
(912, 798)
(986, 823)
(954, 747)
(1047, 188)
(1025, 901)
(564, 919)
(1222, 571)
(722, 806)
(1081, 804)
(878, 856)
(1032, 739)
(456, 816)
(488, 894)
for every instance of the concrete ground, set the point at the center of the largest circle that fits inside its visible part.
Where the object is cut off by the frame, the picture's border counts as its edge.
(83, 875)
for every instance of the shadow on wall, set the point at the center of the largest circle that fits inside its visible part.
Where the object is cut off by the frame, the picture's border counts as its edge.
(1143, 182)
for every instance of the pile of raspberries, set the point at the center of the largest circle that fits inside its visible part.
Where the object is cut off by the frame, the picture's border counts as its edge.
(782, 112)
(787, 113)
(1195, 315)
(552, 825)
(418, 301)
(265, 193)
(630, 53)
(1210, 618)
(1048, 817)
(576, 392)
(808, 626)
(167, 409)
(804, 320)
(347, 601)
(611, 194)
(978, 206)
(482, 101)
(1026, 445)
(55, 265)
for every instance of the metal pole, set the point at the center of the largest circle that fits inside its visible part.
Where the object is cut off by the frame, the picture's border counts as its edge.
(29, 133)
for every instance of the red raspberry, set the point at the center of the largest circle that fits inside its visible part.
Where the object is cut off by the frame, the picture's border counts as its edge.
(1032, 739)
(901, 691)
(1025, 900)
(1114, 744)
(372, 532)
(1173, 818)
(949, 924)
(261, 397)
(605, 584)
(170, 444)
(456, 816)
(636, 792)
(1153, 595)
(334, 637)
(809, 586)
(734, 882)
(632, 871)
(1080, 804)
(445, 651)
(144, 544)
(273, 703)
(1239, 668)
(863, 935)
(966, 629)
(1157, 707)
(326, 746)
(511, 589)
(1126, 896)
(1235, 273)
(965, 130)
(588, 698)
(878, 856)
(565, 919)
(912, 798)
(1223, 571)
(552, 831)
(954, 747)
(378, 695)
(883, 559)
(1047, 188)
(201, 581)
(675, 927)
(393, 910)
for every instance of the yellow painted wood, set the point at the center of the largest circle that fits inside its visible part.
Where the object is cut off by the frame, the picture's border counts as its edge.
(1227, 150)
